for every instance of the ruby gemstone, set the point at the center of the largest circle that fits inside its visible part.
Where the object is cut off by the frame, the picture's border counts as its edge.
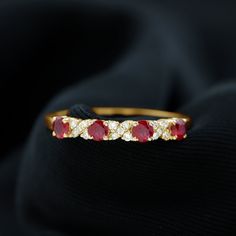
(143, 131)
(60, 128)
(178, 129)
(98, 130)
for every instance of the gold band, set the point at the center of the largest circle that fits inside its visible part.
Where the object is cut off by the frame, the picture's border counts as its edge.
(167, 125)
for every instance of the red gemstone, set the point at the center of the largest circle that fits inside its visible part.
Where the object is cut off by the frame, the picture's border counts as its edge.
(60, 128)
(178, 129)
(98, 130)
(143, 131)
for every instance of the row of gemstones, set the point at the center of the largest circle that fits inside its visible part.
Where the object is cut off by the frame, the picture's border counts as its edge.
(98, 130)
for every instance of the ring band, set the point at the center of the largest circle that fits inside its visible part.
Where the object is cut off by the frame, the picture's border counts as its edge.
(167, 125)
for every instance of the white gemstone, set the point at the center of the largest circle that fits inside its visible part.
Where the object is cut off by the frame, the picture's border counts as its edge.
(126, 124)
(73, 123)
(85, 135)
(85, 123)
(163, 123)
(166, 135)
(127, 136)
(76, 131)
(112, 125)
(157, 134)
(153, 123)
(120, 131)
(114, 136)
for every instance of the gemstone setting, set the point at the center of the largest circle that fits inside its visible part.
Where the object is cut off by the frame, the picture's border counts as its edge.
(60, 128)
(143, 131)
(178, 129)
(98, 130)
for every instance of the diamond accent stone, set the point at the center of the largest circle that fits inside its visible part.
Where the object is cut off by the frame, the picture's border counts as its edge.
(73, 122)
(85, 135)
(157, 134)
(127, 136)
(86, 123)
(126, 124)
(112, 125)
(163, 123)
(166, 135)
(76, 131)
(81, 127)
(120, 131)
(154, 123)
(114, 136)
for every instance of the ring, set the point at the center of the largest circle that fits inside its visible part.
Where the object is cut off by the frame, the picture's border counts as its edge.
(163, 124)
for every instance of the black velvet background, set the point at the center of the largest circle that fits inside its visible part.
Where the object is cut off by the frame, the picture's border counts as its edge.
(172, 55)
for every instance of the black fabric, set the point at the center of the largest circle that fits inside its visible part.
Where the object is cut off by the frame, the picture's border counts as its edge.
(172, 55)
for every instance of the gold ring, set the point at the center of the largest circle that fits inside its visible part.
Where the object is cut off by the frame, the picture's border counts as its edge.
(166, 125)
